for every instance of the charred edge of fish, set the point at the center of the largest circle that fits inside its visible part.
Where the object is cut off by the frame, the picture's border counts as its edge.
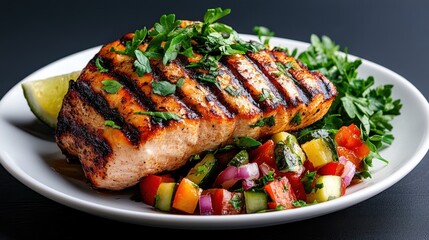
(101, 106)
(329, 90)
(67, 125)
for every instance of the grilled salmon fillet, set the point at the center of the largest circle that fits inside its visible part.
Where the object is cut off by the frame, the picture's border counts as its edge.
(250, 88)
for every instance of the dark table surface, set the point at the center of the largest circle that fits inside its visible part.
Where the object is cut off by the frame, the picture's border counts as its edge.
(394, 34)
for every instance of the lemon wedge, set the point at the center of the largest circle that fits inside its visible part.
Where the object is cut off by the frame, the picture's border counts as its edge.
(45, 96)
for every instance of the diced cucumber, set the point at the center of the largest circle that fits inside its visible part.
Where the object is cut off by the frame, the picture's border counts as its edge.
(164, 196)
(291, 141)
(241, 158)
(255, 201)
(286, 160)
(328, 187)
(203, 172)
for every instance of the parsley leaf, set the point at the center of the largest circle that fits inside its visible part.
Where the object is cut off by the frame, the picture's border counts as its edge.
(141, 63)
(99, 65)
(111, 124)
(111, 86)
(159, 116)
(212, 15)
(269, 121)
(264, 34)
(163, 88)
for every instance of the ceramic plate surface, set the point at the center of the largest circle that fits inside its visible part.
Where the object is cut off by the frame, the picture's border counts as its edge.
(29, 153)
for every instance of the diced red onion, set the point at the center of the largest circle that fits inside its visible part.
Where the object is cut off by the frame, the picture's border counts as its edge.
(349, 170)
(227, 178)
(247, 184)
(249, 171)
(205, 205)
(265, 169)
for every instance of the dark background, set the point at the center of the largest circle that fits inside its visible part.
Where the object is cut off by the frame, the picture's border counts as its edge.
(394, 34)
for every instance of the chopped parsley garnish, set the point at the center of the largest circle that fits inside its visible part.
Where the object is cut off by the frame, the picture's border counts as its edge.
(163, 88)
(99, 64)
(246, 142)
(264, 34)
(296, 119)
(269, 121)
(232, 91)
(111, 124)
(180, 82)
(265, 95)
(159, 116)
(111, 86)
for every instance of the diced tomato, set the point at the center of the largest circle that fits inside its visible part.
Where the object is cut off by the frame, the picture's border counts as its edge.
(361, 151)
(281, 192)
(347, 137)
(350, 144)
(331, 168)
(354, 129)
(225, 202)
(349, 155)
(264, 153)
(296, 183)
(308, 165)
(149, 186)
(343, 188)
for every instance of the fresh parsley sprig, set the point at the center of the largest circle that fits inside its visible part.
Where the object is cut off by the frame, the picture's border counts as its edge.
(359, 101)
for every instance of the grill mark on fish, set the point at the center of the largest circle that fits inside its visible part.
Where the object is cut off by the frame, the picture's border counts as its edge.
(253, 81)
(102, 107)
(216, 90)
(328, 89)
(289, 88)
(194, 94)
(78, 129)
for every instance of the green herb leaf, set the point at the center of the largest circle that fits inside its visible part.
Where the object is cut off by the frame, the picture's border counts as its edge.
(246, 142)
(264, 34)
(161, 115)
(269, 121)
(141, 63)
(111, 124)
(111, 86)
(265, 95)
(232, 91)
(296, 119)
(180, 82)
(99, 64)
(163, 88)
(212, 15)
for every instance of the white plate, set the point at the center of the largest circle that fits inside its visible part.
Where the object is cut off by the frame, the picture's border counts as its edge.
(28, 152)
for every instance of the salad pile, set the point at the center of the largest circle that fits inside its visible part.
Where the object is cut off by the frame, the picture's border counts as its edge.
(289, 169)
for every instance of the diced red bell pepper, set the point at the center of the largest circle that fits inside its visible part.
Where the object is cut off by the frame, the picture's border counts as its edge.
(264, 154)
(331, 168)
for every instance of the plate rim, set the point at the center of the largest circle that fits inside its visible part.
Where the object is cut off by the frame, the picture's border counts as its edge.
(221, 222)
